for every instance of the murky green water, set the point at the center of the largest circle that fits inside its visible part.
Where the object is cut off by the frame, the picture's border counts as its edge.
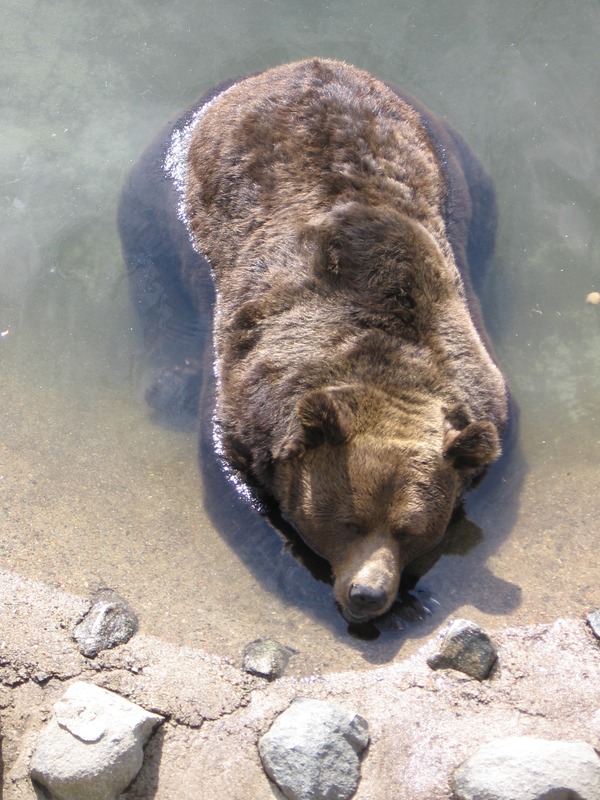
(93, 493)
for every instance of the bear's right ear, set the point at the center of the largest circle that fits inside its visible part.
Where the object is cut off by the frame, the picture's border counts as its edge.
(473, 447)
(322, 415)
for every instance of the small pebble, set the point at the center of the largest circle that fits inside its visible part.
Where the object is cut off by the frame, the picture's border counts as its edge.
(466, 648)
(266, 658)
(593, 298)
(109, 622)
(593, 621)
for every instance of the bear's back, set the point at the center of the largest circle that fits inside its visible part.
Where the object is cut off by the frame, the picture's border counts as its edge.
(278, 149)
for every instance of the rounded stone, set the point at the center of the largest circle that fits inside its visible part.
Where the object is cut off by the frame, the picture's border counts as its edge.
(266, 658)
(312, 751)
(92, 748)
(108, 623)
(467, 648)
(530, 769)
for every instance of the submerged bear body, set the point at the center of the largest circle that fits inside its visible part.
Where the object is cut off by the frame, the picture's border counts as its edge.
(354, 381)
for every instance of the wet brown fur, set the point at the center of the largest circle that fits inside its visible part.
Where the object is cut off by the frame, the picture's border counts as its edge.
(353, 385)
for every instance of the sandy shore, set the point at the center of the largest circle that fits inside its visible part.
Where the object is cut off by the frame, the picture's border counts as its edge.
(422, 723)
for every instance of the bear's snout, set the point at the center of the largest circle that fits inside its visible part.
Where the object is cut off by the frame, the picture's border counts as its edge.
(366, 600)
(366, 587)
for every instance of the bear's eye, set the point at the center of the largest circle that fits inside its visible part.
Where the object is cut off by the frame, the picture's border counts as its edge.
(404, 535)
(353, 528)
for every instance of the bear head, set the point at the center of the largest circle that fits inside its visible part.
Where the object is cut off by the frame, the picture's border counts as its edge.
(370, 488)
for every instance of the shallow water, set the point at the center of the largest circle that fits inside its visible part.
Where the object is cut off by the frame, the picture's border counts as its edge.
(94, 493)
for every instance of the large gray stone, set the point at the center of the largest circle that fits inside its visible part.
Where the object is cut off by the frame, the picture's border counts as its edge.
(312, 751)
(92, 748)
(529, 769)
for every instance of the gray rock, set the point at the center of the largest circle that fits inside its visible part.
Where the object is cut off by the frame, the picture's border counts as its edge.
(529, 769)
(312, 751)
(92, 748)
(466, 648)
(109, 622)
(593, 621)
(266, 658)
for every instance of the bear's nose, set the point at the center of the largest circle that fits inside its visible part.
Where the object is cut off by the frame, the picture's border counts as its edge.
(367, 598)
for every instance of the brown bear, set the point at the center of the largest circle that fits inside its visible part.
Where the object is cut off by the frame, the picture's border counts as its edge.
(355, 384)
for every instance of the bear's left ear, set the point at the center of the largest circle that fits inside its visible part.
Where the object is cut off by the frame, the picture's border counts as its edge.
(322, 415)
(475, 446)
